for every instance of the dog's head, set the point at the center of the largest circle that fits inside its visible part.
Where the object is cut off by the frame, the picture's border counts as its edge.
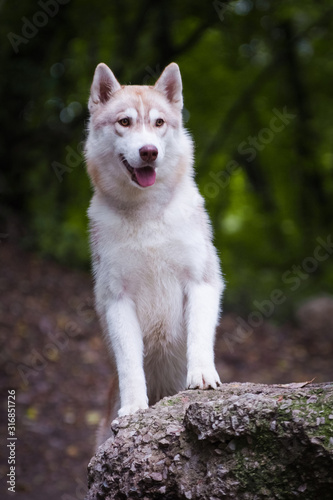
(136, 139)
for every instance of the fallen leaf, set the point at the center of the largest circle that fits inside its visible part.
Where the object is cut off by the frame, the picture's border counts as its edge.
(297, 385)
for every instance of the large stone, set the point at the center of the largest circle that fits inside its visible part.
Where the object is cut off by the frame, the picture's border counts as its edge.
(243, 441)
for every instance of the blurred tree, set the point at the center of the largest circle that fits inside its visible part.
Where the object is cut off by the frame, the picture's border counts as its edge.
(257, 83)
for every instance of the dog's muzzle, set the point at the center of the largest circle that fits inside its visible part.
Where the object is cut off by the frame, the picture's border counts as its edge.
(144, 176)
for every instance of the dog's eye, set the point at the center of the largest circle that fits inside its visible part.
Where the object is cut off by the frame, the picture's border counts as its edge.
(124, 122)
(159, 122)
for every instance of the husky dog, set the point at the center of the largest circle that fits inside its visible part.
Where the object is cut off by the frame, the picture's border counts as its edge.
(157, 278)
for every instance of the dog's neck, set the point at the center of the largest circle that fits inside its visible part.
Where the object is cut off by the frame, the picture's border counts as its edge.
(139, 206)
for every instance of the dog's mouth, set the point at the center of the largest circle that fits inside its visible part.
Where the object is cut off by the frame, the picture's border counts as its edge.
(144, 176)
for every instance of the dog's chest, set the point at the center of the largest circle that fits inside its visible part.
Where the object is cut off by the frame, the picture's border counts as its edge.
(151, 263)
(150, 260)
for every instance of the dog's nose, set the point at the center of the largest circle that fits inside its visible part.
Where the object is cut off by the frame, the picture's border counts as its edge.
(148, 153)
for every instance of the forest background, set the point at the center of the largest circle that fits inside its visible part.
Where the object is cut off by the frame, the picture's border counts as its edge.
(257, 79)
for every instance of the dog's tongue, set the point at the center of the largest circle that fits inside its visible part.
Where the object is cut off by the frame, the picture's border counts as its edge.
(145, 176)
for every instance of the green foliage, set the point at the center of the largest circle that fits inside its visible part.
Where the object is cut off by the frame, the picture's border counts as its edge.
(267, 180)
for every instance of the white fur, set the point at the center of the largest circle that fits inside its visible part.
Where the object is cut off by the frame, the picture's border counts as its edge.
(157, 277)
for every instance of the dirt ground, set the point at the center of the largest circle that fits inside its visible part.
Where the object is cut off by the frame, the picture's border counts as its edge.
(53, 355)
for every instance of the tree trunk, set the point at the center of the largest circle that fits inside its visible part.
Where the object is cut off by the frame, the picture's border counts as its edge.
(243, 441)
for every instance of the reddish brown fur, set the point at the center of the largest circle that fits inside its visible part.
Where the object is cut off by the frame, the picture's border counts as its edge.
(103, 431)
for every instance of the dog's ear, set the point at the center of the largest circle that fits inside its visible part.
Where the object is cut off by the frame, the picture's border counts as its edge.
(103, 86)
(170, 84)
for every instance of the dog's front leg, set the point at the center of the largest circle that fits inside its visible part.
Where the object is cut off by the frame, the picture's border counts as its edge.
(202, 316)
(127, 344)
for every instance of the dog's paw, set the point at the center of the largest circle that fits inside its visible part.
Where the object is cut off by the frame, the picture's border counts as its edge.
(203, 379)
(130, 409)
